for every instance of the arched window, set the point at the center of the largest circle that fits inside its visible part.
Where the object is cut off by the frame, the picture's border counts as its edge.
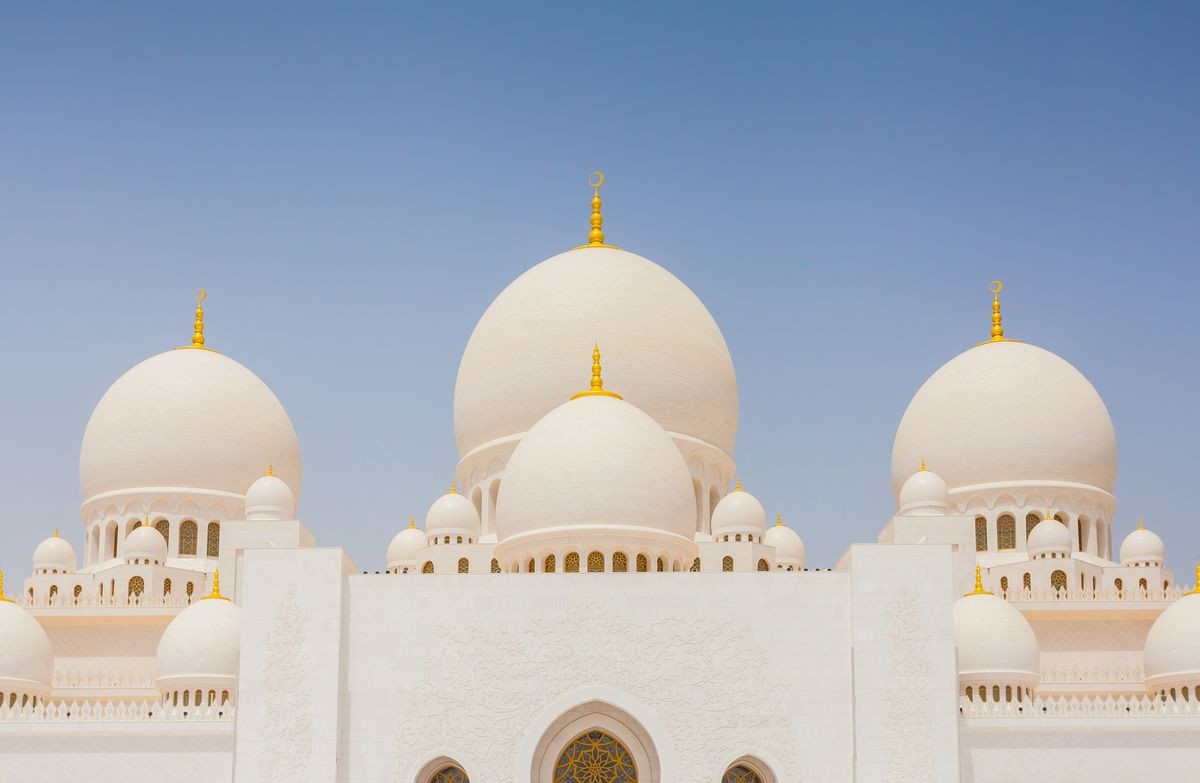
(595, 756)
(137, 586)
(980, 534)
(572, 565)
(463, 565)
(531, 566)
(738, 537)
(595, 563)
(1031, 521)
(1027, 582)
(1142, 585)
(427, 568)
(727, 563)
(1006, 532)
(187, 538)
(164, 527)
(642, 564)
(695, 566)
(191, 588)
(166, 587)
(549, 564)
(762, 566)
(620, 562)
(495, 566)
(1058, 580)
(214, 539)
(78, 591)
(1004, 584)
(741, 773)
(659, 565)
(449, 775)
(53, 592)
(1120, 585)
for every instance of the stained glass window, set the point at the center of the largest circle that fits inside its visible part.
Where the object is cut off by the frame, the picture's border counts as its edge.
(427, 568)
(660, 564)
(531, 566)
(762, 566)
(696, 565)
(1027, 582)
(1031, 521)
(449, 775)
(495, 566)
(740, 773)
(137, 586)
(187, 538)
(595, 563)
(595, 757)
(1004, 584)
(727, 563)
(1058, 580)
(980, 534)
(641, 564)
(550, 564)
(463, 565)
(166, 587)
(572, 566)
(620, 562)
(164, 527)
(214, 539)
(1006, 532)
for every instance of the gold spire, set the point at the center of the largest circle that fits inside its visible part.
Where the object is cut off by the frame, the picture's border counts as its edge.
(198, 326)
(738, 488)
(270, 469)
(779, 520)
(979, 584)
(1195, 588)
(1141, 525)
(596, 235)
(412, 522)
(3, 597)
(216, 591)
(147, 522)
(997, 320)
(922, 464)
(56, 533)
(597, 389)
(453, 488)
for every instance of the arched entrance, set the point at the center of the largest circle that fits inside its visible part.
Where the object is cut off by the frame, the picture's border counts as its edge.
(595, 742)
(595, 757)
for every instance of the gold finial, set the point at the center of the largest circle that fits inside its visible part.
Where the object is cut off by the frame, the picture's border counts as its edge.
(270, 469)
(453, 488)
(198, 326)
(216, 591)
(412, 522)
(738, 488)
(979, 584)
(1049, 514)
(1195, 588)
(56, 533)
(597, 389)
(147, 522)
(596, 235)
(3, 597)
(1141, 525)
(922, 464)
(997, 321)
(779, 520)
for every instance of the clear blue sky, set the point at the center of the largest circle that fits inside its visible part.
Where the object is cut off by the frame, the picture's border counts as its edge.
(839, 183)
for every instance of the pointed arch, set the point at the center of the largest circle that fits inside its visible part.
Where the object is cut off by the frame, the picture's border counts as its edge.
(575, 717)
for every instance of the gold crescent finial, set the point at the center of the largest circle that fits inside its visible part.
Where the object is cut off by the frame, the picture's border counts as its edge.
(198, 327)
(597, 388)
(216, 590)
(979, 583)
(596, 235)
(596, 180)
(995, 287)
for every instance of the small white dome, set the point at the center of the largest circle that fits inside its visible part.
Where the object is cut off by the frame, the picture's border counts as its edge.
(1172, 652)
(924, 494)
(270, 498)
(1142, 546)
(200, 647)
(55, 553)
(996, 645)
(597, 471)
(26, 662)
(452, 515)
(739, 512)
(405, 545)
(1048, 536)
(789, 549)
(145, 543)
(191, 419)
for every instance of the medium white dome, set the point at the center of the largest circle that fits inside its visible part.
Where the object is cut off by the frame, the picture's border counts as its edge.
(597, 467)
(145, 543)
(1007, 412)
(739, 512)
(1048, 536)
(1172, 652)
(924, 494)
(404, 546)
(269, 497)
(55, 553)
(1142, 546)
(452, 515)
(189, 418)
(668, 355)
(200, 647)
(789, 548)
(996, 645)
(26, 661)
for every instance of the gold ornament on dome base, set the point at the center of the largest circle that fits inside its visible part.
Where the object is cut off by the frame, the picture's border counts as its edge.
(597, 389)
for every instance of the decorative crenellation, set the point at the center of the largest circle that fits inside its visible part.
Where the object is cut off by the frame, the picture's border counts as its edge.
(1092, 674)
(65, 600)
(1132, 594)
(102, 711)
(1080, 706)
(123, 678)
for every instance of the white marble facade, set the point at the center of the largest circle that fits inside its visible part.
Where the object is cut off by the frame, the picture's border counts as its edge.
(597, 598)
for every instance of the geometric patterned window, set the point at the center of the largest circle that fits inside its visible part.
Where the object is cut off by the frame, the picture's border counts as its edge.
(549, 564)
(1006, 532)
(980, 534)
(727, 563)
(166, 587)
(464, 566)
(740, 773)
(1031, 521)
(187, 538)
(1027, 582)
(495, 566)
(1058, 580)
(572, 566)
(137, 586)
(762, 565)
(595, 563)
(595, 757)
(427, 568)
(449, 775)
(164, 527)
(620, 562)
(1004, 584)
(641, 564)
(214, 539)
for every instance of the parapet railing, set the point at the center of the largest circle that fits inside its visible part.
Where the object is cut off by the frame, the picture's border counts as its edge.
(62, 711)
(1132, 594)
(1080, 706)
(1078, 673)
(168, 601)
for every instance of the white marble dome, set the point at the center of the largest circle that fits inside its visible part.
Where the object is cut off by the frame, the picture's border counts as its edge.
(1007, 412)
(55, 555)
(189, 418)
(1143, 546)
(667, 355)
(404, 546)
(996, 645)
(597, 468)
(924, 494)
(453, 515)
(26, 663)
(200, 647)
(739, 512)
(1049, 536)
(1172, 652)
(269, 497)
(789, 548)
(145, 543)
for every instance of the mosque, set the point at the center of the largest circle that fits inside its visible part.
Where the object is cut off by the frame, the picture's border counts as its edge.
(598, 598)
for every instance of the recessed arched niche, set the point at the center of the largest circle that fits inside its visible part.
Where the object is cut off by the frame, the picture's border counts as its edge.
(591, 736)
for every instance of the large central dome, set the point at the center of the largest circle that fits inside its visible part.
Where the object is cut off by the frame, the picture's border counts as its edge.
(668, 356)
